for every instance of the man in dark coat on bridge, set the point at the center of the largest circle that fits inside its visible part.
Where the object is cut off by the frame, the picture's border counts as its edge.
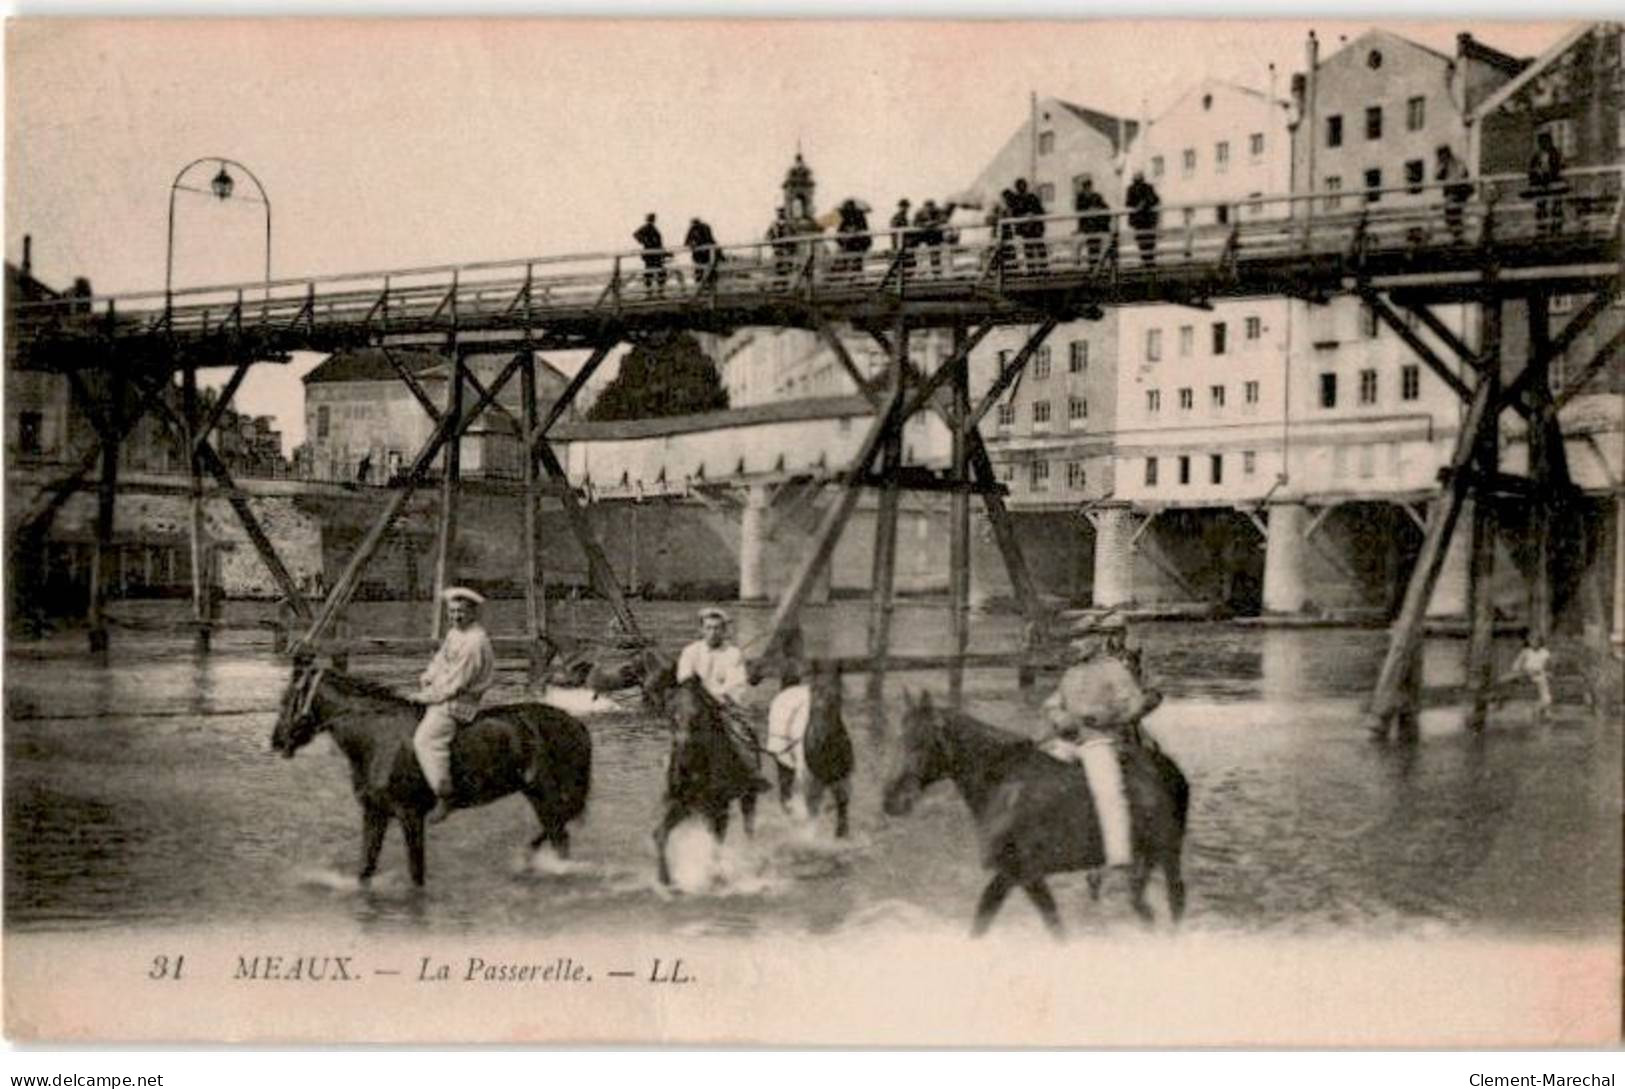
(654, 255)
(702, 245)
(1027, 206)
(1142, 200)
(1094, 227)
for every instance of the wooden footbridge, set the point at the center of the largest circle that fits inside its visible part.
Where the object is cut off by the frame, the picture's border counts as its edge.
(1399, 250)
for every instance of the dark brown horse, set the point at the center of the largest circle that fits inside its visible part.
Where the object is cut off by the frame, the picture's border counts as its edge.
(707, 772)
(529, 748)
(1034, 814)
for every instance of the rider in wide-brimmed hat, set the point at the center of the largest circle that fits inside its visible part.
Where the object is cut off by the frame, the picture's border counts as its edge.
(450, 690)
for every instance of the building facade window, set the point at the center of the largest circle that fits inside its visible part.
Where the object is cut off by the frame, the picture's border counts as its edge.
(1041, 364)
(1153, 345)
(1216, 396)
(1219, 334)
(1415, 113)
(1373, 122)
(1368, 322)
(1373, 185)
(1250, 393)
(1046, 193)
(1334, 130)
(1328, 391)
(1254, 329)
(1334, 193)
(1368, 387)
(1221, 156)
(1157, 167)
(1187, 398)
(1187, 339)
(1078, 357)
(1184, 469)
(1039, 476)
(1153, 400)
(1249, 462)
(1255, 145)
(1151, 472)
(324, 419)
(1415, 175)
(1046, 143)
(1215, 468)
(1077, 408)
(1187, 161)
(1075, 478)
(1410, 382)
(1040, 412)
(1007, 414)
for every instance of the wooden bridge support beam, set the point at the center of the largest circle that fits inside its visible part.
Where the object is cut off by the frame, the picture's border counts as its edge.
(202, 591)
(535, 576)
(882, 581)
(451, 467)
(101, 559)
(959, 522)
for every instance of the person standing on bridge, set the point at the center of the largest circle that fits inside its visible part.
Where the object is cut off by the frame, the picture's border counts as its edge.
(654, 255)
(1027, 207)
(899, 227)
(1457, 191)
(702, 246)
(1546, 185)
(450, 690)
(1142, 200)
(1095, 222)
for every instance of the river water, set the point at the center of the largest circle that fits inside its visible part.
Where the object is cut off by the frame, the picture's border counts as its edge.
(143, 793)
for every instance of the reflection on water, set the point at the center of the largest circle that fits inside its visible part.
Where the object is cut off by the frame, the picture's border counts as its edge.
(144, 792)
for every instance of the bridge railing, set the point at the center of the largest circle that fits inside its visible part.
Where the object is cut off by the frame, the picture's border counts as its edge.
(947, 260)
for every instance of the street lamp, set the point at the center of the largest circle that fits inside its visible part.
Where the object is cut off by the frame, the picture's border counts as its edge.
(221, 186)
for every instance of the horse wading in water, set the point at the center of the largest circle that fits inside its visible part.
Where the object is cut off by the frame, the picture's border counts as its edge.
(707, 772)
(1034, 814)
(529, 748)
(811, 748)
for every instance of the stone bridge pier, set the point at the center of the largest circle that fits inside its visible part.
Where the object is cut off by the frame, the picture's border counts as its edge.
(1208, 557)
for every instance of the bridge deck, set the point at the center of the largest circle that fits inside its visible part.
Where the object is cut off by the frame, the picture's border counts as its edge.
(1273, 247)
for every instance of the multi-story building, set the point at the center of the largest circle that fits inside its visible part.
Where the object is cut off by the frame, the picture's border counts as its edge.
(1202, 394)
(1364, 421)
(1049, 435)
(359, 414)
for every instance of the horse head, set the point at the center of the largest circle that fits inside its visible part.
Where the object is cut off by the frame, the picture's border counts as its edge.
(658, 678)
(920, 760)
(297, 720)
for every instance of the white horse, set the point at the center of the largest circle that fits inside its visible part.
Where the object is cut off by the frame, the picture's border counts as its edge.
(810, 746)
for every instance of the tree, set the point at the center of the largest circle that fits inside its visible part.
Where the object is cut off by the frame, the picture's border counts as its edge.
(668, 376)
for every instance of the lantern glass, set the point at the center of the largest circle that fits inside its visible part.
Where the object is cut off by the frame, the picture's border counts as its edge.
(223, 184)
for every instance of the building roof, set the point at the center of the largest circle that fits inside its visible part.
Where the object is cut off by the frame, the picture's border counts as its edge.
(1211, 82)
(1471, 48)
(1535, 67)
(370, 365)
(1120, 131)
(812, 408)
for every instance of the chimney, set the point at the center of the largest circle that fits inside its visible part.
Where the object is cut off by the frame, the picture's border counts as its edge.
(1300, 84)
(28, 255)
(1464, 42)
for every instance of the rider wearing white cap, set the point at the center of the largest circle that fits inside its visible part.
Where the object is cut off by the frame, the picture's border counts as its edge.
(720, 666)
(716, 661)
(450, 690)
(1098, 699)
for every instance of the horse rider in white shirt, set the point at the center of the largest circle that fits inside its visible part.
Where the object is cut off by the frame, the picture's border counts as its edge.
(1098, 700)
(720, 666)
(450, 690)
